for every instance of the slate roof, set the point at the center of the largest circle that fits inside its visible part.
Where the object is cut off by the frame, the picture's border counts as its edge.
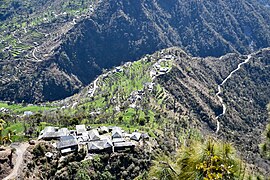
(67, 142)
(53, 132)
(80, 129)
(84, 137)
(103, 129)
(100, 145)
(117, 132)
(136, 136)
(93, 135)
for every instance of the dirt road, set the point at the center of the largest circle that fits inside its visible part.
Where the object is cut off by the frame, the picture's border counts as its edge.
(20, 149)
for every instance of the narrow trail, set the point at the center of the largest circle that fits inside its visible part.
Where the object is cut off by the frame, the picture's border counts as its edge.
(224, 108)
(94, 88)
(20, 150)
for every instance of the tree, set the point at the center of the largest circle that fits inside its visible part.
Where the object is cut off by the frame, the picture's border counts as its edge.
(265, 146)
(201, 161)
(2, 122)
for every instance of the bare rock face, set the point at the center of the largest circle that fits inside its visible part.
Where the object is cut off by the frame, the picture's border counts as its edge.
(126, 30)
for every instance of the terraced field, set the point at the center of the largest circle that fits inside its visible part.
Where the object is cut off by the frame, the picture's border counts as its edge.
(27, 24)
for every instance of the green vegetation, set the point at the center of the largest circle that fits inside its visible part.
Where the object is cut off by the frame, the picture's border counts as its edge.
(199, 160)
(18, 108)
(115, 95)
(265, 146)
(24, 22)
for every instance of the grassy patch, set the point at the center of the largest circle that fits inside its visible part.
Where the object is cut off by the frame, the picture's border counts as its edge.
(17, 108)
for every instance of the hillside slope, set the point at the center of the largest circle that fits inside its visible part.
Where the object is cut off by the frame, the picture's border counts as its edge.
(194, 84)
(187, 90)
(126, 30)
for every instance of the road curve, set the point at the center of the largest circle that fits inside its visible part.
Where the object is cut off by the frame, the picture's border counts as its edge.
(224, 108)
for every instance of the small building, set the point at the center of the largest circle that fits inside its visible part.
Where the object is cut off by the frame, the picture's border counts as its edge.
(117, 132)
(83, 138)
(67, 144)
(103, 130)
(168, 57)
(80, 129)
(104, 145)
(140, 92)
(94, 135)
(119, 69)
(136, 136)
(123, 146)
(28, 113)
(158, 66)
(50, 133)
(163, 70)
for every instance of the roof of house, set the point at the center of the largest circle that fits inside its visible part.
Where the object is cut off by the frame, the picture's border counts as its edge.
(67, 150)
(53, 132)
(67, 141)
(28, 113)
(100, 145)
(84, 137)
(117, 132)
(80, 129)
(94, 135)
(103, 129)
(135, 136)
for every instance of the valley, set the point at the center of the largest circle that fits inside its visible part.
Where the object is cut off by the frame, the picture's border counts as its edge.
(144, 90)
(67, 56)
(169, 90)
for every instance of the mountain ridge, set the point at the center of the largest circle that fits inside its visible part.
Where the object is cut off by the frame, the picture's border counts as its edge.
(115, 33)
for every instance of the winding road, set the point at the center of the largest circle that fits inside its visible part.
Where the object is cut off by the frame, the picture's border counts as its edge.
(20, 150)
(220, 91)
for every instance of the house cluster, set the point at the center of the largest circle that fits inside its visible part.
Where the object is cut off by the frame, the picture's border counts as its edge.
(136, 96)
(4, 110)
(158, 69)
(96, 140)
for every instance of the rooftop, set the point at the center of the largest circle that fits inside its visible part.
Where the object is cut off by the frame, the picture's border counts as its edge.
(66, 142)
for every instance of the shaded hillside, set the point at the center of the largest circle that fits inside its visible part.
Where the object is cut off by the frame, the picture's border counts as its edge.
(122, 31)
(187, 90)
(193, 83)
(172, 96)
(129, 29)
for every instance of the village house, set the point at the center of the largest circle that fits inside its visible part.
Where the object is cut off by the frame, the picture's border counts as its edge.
(168, 57)
(120, 146)
(104, 145)
(103, 130)
(67, 144)
(149, 86)
(83, 138)
(117, 132)
(50, 133)
(94, 135)
(163, 70)
(145, 136)
(80, 129)
(136, 136)
(101, 139)
(28, 113)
